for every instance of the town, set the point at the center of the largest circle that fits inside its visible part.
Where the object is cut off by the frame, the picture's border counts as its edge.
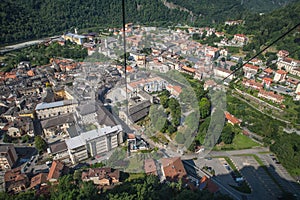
(67, 116)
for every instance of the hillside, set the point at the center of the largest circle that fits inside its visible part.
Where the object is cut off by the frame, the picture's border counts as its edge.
(24, 20)
(268, 27)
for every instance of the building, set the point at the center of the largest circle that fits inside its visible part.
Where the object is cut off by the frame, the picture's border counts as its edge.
(173, 169)
(188, 70)
(271, 96)
(78, 39)
(287, 64)
(280, 76)
(267, 82)
(8, 156)
(150, 167)
(87, 113)
(240, 39)
(282, 53)
(59, 151)
(174, 90)
(38, 180)
(250, 70)
(101, 176)
(57, 170)
(15, 181)
(46, 110)
(232, 119)
(94, 142)
(207, 184)
(252, 84)
(57, 125)
(223, 73)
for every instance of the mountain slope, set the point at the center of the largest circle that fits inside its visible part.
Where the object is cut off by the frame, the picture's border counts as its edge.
(30, 19)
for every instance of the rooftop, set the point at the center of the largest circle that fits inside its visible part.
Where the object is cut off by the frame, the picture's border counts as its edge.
(80, 140)
(43, 105)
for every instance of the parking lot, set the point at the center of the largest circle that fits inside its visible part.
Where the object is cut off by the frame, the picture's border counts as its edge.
(221, 170)
(261, 183)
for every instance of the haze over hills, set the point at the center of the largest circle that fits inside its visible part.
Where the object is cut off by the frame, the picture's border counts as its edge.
(35, 19)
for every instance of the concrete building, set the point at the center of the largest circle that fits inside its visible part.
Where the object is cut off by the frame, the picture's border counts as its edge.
(47, 110)
(94, 142)
(8, 156)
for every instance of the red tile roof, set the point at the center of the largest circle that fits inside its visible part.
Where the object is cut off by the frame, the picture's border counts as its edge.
(231, 118)
(281, 72)
(251, 67)
(189, 69)
(268, 70)
(173, 168)
(150, 167)
(38, 179)
(56, 170)
(267, 80)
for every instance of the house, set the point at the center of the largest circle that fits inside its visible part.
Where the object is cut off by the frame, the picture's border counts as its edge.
(280, 76)
(173, 169)
(174, 90)
(232, 119)
(287, 64)
(150, 167)
(38, 180)
(57, 170)
(271, 96)
(267, 82)
(240, 39)
(250, 70)
(282, 53)
(102, 176)
(188, 70)
(268, 71)
(94, 142)
(8, 156)
(15, 181)
(252, 84)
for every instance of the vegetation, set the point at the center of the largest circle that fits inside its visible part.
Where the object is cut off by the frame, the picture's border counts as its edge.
(40, 143)
(287, 149)
(41, 54)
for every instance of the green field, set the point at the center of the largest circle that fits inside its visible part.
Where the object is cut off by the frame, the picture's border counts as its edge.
(240, 141)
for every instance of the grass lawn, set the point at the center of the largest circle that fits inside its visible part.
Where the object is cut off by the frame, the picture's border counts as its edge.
(240, 141)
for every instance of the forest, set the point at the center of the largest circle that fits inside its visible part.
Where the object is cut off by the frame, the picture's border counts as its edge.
(32, 19)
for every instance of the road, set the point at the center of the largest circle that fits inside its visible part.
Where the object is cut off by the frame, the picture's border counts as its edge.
(25, 44)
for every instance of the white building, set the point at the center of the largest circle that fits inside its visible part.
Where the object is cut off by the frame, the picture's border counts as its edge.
(94, 142)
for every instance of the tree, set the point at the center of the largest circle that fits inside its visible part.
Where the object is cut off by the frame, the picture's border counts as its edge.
(204, 107)
(40, 143)
(88, 191)
(164, 101)
(227, 134)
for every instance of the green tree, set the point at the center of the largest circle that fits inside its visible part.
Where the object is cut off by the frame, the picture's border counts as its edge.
(40, 143)
(227, 134)
(204, 107)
